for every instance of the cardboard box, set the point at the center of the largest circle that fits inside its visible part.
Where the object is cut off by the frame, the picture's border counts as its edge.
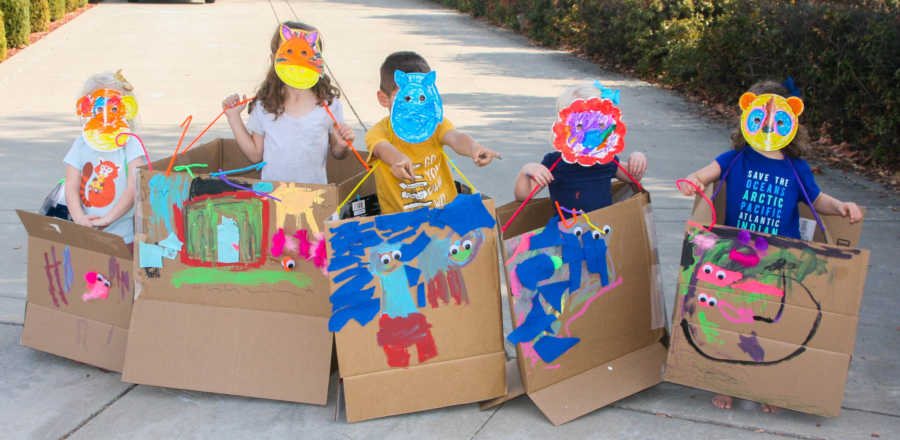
(239, 303)
(598, 335)
(767, 318)
(58, 319)
(416, 308)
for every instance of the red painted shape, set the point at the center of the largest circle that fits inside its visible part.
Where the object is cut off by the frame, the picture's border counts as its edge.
(730, 276)
(396, 335)
(457, 285)
(754, 286)
(438, 289)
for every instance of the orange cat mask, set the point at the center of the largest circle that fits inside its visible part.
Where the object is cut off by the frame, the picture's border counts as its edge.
(106, 112)
(769, 122)
(298, 61)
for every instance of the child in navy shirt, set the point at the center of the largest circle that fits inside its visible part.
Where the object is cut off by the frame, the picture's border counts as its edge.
(764, 181)
(575, 186)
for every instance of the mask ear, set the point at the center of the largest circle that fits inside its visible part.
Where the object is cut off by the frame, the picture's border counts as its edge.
(746, 99)
(430, 77)
(131, 106)
(796, 104)
(83, 106)
(286, 33)
(400, 78)
(311, 39)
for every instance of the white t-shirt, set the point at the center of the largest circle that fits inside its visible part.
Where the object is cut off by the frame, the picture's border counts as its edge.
(295, 149)
(103, 181)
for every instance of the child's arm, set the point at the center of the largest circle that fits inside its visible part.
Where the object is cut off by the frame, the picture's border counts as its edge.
(636, 166)
(340, 140)
(251, 145)
(701, 178)
(125, 202)
(401, 166)
(464, 145)
(532, 174)
(826, 204)
(73, 198)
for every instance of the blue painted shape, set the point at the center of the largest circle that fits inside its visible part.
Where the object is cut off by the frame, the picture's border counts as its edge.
(349, 242)
(400, 236)
(363, 312)
(464, 214)
(421, 295)
(553, 293)
(536, 322)
(417, 108)
(550, 347)
(349, 299)
(171, 246)
(550, 236)
(435, 258)
(412, 275)
(412, 250)
(150, 255)
(398, 302)
(68, 273)
(574, 276)
(227, 237)
(535, 269)
(353, 273)
(571, 249)
(263, 187)
(355, 285)
(393, 223)
(164, 193)
(595, 258)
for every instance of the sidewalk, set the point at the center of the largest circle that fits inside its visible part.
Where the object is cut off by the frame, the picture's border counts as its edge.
(184, 58)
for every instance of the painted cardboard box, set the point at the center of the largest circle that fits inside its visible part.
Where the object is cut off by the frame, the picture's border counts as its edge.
(767, 318)
(80, 285)
(230, 294)
(415, 305)
(586, 303)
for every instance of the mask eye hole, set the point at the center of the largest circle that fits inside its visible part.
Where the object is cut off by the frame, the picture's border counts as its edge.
(707, 269)
(396, 255)
(385, 259)
(720, 275)
(303, 53)
(578, 231)
(595, 235)
(606, 229)
(408, 99)
(290, 51)
(702, 298)
(454, 249)
(421, 98)
(712, 301)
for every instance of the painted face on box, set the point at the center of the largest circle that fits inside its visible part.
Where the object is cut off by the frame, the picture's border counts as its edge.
(298, 61)
(589, 132)
(417, 108)
(769, 122)
(385, 258)
(106, 113)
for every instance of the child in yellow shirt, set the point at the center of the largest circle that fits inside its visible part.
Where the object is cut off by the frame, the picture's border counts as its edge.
(410, 141)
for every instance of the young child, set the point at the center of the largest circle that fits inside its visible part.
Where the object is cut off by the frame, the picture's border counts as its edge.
(289, 127)
(574, 186)
(763, 188)
(417, 174)
(100, 175)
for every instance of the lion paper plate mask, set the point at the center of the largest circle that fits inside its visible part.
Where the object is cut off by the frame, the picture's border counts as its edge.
(298, 61)
(769, 122)
(590, 131)
(106, 113)
(417, 109)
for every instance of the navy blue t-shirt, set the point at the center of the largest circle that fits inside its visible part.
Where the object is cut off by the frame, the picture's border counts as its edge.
(579, 187)
(763, 193)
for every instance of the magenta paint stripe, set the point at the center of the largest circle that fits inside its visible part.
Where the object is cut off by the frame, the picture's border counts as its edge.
(587, 303)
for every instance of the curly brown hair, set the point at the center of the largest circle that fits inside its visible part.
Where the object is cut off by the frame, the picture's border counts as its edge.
(797, 147)
(271, 93)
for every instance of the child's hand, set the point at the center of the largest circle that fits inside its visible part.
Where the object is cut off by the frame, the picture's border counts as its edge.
(483, 156)
(346, 136)
(231, 107)
(637, 165)
(538, 173)
(850, 209)
(403, 168)
(99, 222)
(84, 220)
(689, 190)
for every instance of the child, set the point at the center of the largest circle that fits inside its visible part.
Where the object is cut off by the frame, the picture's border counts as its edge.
(289, 127)
(575, 186)
(100, 174)
(770, 170)
(417, 174)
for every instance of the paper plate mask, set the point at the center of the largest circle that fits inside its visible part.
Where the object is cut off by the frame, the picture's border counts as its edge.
(589, 132)
(106, 112)
(298, 62)
(417, 109)
(769, 122)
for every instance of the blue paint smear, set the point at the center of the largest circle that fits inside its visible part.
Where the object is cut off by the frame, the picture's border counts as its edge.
(354, 285)
(421, 295)
(67, 268)
(412, 250)
(595, 257)
(535, 269)
(550, 347)
(227, 237)
(751, 347)
(340, 300)
(393, 223)
(550, 236)
(362, 312)
(165, 192)
(571, 249)
(355, 272)
(553, 293)
(398, 302)
(412, 274)
(536, 322)
(435, 258)
(263, 187)
(464, 214)
(574, 276)
(402, 236)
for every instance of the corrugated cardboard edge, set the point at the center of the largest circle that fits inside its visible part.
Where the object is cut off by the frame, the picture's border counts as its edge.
(514, 386)
(595, 388)
(73, 337)
(426, 386)
(272, 355)
(69, 233)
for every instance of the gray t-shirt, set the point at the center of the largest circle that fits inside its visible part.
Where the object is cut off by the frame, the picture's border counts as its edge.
(103, 180)
(295, 149)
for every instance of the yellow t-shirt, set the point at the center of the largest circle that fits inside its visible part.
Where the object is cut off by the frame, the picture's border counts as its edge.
(433, 185)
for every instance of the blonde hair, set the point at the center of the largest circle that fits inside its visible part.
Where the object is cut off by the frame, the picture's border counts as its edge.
(113, 81)
(585, 90)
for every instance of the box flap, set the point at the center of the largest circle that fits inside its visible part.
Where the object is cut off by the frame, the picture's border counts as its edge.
(69, 233)
(514, 387)
(92, 342)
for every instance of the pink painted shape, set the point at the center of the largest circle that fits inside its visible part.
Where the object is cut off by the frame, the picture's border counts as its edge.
(743, 259)
(278, 243)
(320, 256)
(523, 246)
(552, 367)
(587, 303)
(754, 286)
(97, 289)
(730, 275)
(743, 315)
(305, 245)
(529, 353)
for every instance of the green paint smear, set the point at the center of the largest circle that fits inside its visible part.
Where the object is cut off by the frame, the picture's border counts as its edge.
(209, 275)
(204, 217)
(709, 329)
(557, 262)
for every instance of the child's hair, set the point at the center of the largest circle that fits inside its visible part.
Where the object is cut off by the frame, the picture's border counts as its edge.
(406, 61)
(798, 146)
(271, 91)
(109, 80)
(585, 90)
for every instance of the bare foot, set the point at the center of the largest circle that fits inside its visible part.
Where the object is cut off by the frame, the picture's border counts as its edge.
(722, 401)
(769, 409)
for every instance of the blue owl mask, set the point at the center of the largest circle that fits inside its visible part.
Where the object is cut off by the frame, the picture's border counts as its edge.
(417, 109)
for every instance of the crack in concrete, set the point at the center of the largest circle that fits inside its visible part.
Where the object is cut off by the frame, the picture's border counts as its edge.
(17, 324)
(480, 428)
(97, 413)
